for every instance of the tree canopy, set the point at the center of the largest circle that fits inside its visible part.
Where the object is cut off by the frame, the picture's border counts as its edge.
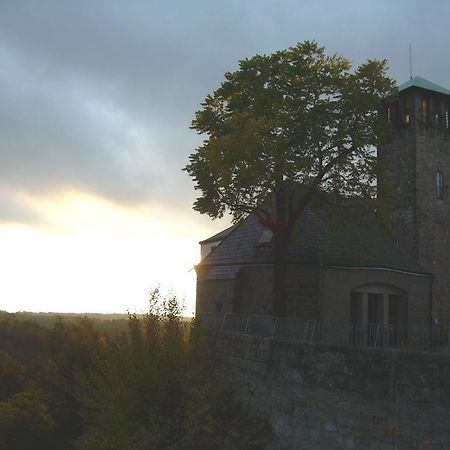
(285, 130)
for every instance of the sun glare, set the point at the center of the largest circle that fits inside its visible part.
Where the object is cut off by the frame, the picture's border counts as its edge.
(96, 257)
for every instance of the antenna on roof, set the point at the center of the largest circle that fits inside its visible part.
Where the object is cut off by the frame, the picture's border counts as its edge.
(410, 63)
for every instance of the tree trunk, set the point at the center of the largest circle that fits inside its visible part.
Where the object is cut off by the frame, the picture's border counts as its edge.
(281, 241)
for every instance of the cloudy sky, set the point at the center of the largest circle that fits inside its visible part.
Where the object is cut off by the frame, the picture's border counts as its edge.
(96, 98)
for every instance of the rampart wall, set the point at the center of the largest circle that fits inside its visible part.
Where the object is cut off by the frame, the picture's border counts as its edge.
(328, 397)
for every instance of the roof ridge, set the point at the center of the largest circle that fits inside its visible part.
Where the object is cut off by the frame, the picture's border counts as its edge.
(233, 228)
(423, 83)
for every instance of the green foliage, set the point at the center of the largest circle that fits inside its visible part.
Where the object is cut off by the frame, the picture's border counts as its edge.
(39, 373)
(150, 387)
(25, 421)
(289, 130)
(158, 389)
(297, 123)
(12, 375)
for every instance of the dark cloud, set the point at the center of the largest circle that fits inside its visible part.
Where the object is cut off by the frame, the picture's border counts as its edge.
(98, 96)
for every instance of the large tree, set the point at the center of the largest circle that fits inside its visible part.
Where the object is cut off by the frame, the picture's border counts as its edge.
(283, 131)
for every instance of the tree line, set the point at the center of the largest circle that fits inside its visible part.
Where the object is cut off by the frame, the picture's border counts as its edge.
(152, 386)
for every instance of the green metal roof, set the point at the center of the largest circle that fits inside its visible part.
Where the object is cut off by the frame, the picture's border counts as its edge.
(423, 84)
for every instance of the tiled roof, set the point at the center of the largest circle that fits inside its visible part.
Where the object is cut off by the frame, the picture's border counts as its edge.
(223, 273)
(314, 241)
(423, 84)
(238, 246)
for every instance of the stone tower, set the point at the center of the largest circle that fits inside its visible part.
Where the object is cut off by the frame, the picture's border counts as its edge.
(415, 168)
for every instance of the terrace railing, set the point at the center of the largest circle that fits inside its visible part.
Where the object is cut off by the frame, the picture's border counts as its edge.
(405, 337)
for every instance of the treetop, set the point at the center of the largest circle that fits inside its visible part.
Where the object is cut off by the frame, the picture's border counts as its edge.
(298, 122)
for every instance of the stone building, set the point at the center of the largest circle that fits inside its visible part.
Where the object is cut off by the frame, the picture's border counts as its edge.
(415, 170)
(355, 275)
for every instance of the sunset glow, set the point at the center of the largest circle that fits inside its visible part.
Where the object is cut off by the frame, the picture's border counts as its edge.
(96, 100)
(93, 256)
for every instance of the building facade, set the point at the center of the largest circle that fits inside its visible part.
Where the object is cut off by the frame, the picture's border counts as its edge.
(345, 275)
(357, 275)
(415, 171)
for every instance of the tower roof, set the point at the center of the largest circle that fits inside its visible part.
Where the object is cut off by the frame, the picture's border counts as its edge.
(421, 83)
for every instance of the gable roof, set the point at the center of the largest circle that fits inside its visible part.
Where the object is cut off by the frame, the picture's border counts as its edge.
(422, 83)
(314, 241)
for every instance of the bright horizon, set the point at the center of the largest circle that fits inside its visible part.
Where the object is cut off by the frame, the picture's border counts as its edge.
(92, 251)
(96, 99)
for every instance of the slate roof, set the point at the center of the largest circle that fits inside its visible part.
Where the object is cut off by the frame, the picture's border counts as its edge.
(423, 84)
(314, 241)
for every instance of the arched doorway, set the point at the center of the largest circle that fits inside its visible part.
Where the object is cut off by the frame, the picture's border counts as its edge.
(379, 314)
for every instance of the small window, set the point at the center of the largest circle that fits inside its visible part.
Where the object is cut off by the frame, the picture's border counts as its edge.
(439, 184)
(424, 109)
(266, 237)
(406, 110)
(446, 120)
(218, 307)
(389, 114)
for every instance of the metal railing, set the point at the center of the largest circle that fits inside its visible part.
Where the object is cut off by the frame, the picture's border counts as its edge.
(405, 337)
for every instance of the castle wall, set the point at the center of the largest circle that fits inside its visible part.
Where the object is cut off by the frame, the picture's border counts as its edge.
(433, 218)
(421, 221)
(214, 295)
(251, 292)
(397, 162)
(324, 397)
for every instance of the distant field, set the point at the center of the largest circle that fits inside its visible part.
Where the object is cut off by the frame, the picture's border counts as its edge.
(108, 323)
(51, 315)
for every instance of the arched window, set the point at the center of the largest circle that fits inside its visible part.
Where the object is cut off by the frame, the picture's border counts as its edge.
(379, 314)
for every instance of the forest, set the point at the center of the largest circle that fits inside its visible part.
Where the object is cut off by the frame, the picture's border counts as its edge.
(145, 382)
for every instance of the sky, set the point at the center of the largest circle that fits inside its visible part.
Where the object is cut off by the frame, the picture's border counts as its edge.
(96, 99)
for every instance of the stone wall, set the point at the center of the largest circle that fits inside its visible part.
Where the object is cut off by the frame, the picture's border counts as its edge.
(420, 221)
(314, 292)
(214, 295)
(433, 215)
(397, 180)
(326, 398)
(251, 291)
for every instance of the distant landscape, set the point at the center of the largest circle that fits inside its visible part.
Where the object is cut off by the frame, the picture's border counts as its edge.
(116, 381)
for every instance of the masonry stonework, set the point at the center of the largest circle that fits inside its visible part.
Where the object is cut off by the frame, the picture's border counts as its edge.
(409, 164)
(329, 397)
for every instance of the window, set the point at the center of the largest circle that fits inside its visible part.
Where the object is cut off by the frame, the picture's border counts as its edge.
(424, 109)
(407, 109)
(378, 315)
(266, 237)
(389, 114)
(446, 119)
(439, 184)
